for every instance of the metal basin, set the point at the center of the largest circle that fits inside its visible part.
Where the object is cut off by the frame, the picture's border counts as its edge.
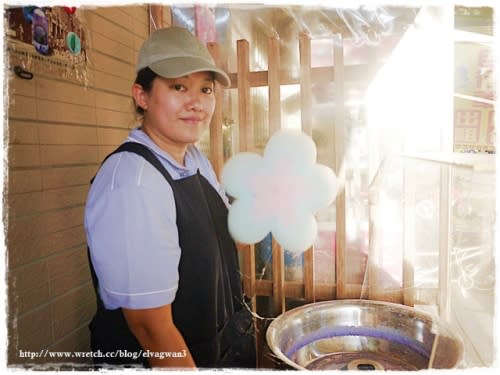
(362, 335)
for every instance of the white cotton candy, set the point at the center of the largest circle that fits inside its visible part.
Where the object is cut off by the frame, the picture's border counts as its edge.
(324, 190)
(297, 236)
(279, 192)
(245, 227)
(238, 170)
(291, 145)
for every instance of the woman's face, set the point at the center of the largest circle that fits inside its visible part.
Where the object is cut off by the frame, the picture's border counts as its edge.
(177, 111)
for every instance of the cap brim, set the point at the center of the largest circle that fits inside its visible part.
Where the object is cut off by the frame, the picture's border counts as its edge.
(183, 66)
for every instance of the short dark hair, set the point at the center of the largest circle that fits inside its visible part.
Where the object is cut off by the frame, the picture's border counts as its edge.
(145, 78)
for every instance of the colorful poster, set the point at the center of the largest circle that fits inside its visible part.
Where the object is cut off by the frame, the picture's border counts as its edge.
(474, 125)
(48, 39)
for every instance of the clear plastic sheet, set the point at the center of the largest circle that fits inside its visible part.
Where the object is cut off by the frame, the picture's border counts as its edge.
(418, 230)
(432, 229)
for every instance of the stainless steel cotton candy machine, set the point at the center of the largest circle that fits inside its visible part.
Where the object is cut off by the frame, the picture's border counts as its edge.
(362, 335)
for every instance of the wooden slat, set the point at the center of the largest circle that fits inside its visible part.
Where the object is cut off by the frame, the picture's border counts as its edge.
(278, 278)
(295, 289)
(309, 270)
(245, 144)
(216, 136)
(248, 276)
(305, 83)
(246, 141)
(338, 60)
(274, 85)
(359, 74)
(246, 137)
(306, 118)
(278, 263)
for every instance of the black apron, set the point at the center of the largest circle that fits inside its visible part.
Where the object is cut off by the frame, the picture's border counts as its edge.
(208, 309)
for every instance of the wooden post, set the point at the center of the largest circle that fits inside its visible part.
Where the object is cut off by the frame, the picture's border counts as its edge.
(246, 143)
(278, 278)
(274, 86)
(246, 137)
(274, 89)
(216, 131)
(216, 135)
(309, 285)
(278, 266)
(306, 117)
(305, 83)
(338, 77)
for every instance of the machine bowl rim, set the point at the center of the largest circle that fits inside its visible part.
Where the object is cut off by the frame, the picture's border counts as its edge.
(271, 333)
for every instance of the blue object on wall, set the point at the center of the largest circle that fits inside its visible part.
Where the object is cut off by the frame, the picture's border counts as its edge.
(266, 253)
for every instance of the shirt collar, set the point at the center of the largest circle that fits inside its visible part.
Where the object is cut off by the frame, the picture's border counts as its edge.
(138, 135)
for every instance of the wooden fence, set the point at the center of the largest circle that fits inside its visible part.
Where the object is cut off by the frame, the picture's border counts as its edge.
(243, 80)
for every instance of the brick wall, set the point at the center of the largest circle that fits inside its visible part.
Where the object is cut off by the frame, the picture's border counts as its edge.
(58, 132)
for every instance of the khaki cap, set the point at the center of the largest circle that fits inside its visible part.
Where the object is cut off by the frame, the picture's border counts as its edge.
(174, 52)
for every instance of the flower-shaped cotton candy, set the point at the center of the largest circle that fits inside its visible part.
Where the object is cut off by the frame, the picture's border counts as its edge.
(278, 192)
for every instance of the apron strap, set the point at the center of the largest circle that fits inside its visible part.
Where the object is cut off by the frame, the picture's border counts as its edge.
(146, 153)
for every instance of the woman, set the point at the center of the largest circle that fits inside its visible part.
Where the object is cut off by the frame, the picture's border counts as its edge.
(163, 264)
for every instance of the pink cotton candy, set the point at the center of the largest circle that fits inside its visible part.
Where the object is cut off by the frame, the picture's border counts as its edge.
(279, 192)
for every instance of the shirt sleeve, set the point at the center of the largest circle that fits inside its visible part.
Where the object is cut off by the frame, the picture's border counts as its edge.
(132, 234)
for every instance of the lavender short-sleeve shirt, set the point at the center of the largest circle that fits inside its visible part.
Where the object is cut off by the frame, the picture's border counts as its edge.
(130, 222)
